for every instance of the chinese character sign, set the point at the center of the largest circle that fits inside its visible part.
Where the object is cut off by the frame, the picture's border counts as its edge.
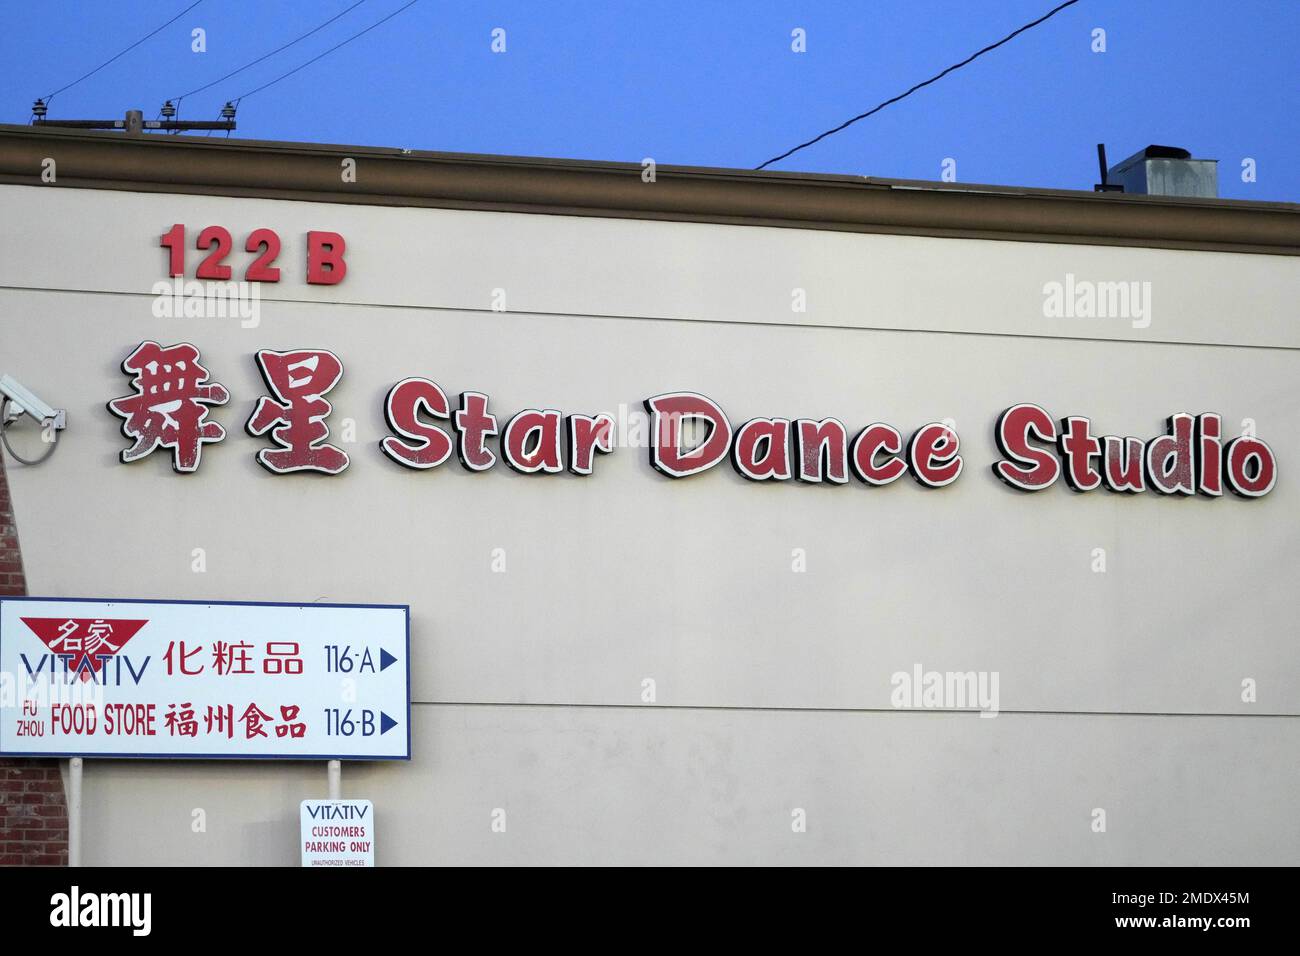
(295, 414)
(188, 679)
(169, 407)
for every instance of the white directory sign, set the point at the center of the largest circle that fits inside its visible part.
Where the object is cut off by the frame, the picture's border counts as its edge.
(194, 679)
(338, 833)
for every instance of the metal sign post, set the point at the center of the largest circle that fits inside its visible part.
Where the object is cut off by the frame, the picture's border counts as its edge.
(74, 811)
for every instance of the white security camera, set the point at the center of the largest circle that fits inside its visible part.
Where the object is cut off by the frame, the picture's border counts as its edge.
(22, 400)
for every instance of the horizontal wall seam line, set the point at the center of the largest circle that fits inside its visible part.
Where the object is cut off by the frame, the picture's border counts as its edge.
(664, 318)
(838, 710)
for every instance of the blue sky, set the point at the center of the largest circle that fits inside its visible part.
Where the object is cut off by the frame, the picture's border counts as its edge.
(710, 84)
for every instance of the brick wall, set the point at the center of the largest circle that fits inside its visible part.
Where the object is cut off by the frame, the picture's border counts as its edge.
(33, 812)
(12, 580)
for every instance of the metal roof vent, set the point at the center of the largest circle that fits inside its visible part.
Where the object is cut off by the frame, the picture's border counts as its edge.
(1166, 171)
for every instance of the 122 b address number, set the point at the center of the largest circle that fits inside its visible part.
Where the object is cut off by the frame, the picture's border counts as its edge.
(325, 263)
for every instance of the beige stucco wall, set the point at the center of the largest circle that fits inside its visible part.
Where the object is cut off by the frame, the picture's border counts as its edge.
(1119, 690)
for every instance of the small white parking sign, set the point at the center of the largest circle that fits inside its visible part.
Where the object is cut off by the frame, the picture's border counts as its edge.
(338, 833)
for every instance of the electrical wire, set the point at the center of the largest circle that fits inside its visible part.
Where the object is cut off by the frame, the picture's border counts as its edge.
(319, 56)
(4, 439)
(267, 56)
(938, 76)
(87, 76)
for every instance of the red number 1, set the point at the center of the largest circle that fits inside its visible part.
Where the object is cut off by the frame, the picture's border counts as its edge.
(174, 241)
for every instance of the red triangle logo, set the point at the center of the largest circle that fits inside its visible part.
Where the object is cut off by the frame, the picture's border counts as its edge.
(86, 641)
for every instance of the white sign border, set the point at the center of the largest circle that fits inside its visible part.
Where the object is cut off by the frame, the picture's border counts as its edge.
(64, 755)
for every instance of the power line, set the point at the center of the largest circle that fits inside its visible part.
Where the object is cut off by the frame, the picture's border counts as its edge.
(124, 52)
(272, 53)
(938, 76)
(319, 56)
